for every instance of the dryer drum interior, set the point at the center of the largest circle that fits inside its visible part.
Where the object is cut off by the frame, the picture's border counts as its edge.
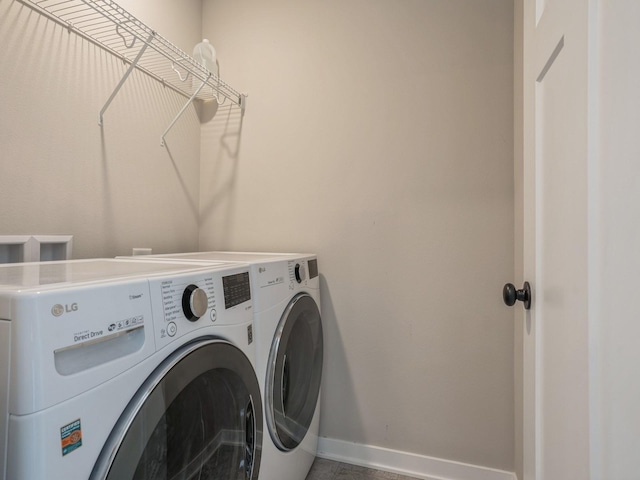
(198, 416)
(294, 372)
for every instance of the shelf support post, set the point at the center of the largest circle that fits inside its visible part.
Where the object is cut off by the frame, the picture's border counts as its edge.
(124, 78)
(195, 94)
(242, 101)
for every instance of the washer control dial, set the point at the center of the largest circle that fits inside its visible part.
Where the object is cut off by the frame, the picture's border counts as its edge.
(301, 273)
(194, 302)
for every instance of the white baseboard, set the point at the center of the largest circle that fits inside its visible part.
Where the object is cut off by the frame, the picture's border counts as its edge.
(409, 464)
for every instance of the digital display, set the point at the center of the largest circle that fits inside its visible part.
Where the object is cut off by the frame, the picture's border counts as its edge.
(237, 289)
(313, 268)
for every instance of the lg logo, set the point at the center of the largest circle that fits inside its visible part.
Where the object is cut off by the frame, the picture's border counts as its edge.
(58, 309)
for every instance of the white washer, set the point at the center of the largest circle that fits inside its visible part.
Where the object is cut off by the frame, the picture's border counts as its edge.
(113, 369)
(289, 352)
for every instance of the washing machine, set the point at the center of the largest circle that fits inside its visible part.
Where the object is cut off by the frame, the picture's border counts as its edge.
(113, 369)
(289, 353)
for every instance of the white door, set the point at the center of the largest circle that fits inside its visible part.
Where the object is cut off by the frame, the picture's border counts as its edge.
(557, 149)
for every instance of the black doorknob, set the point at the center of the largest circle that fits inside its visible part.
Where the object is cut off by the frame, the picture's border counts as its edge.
(510, 295)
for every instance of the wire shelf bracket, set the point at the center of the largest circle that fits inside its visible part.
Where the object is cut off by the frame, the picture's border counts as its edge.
(124, 78)
(110, 27)
(181, 112)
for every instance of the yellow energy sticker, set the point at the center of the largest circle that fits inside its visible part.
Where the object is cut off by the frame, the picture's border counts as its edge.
(71, 437)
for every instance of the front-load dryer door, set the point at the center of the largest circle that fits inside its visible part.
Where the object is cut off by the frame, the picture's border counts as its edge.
(198, 416)
(294, 372)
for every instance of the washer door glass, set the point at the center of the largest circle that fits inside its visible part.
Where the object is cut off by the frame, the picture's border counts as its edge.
(198, 416)
(294, 372)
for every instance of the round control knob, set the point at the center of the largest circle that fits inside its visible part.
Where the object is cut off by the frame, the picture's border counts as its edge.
(300, 272)
(194, 302)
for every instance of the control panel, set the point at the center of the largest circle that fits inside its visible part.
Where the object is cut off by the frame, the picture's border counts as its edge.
(197, 300)
(303, 270)
(188, 297)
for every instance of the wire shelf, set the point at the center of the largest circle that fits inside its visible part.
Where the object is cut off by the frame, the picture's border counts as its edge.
(108, 25)
(122, 34)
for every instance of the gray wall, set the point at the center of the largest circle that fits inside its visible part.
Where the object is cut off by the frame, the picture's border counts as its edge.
(113, 188)
(379, 135)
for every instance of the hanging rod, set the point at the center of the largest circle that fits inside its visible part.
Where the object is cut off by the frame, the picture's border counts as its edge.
(111, 27)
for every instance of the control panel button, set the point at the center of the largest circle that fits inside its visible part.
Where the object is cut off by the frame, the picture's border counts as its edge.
(172, 329)
(194, 302)
(301, 273)
(213, 315)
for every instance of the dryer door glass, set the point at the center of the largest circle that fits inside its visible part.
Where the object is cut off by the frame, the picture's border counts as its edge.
(197, 417)
(294, 372)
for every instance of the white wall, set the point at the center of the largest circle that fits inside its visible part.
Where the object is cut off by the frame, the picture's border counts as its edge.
(112, 188)
(379, 135)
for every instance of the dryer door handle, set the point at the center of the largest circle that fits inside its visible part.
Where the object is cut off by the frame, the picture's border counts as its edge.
(284, 382)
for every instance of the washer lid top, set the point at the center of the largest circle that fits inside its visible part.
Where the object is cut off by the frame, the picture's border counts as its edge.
(15, 277)
(215, 256)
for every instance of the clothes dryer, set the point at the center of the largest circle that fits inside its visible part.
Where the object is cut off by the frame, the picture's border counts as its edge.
(289, 354)
(113, 369)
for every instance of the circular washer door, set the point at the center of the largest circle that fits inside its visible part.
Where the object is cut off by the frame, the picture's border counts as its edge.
(198, 416)
(294, 372)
